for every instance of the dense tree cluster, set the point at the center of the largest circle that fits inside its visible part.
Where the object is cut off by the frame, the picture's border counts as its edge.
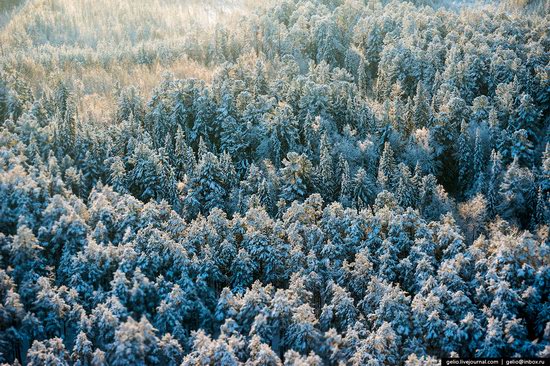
(360, 183)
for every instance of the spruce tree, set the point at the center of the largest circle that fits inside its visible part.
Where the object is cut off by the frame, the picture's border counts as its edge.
(326, 170)
(421, 115)
(296, 175)
(184, 157)
(464, 157)
(346, 185)
(386, 168)
(479, 166)
(493, 195)
(364, 189)
(405, 190)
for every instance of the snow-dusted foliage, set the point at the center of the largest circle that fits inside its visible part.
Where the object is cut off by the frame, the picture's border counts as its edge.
(349, 183)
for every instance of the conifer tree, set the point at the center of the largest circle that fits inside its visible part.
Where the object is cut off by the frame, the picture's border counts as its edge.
(346, 185)
(405, 190)
(479, 165)
(326, 169)
(464, 157)
(386, 168)
(421, 115)
(295, 177)
(364, 189)
(184, 157)
(493, 198)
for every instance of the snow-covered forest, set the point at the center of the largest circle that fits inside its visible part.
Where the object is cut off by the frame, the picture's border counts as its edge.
(297, 182)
